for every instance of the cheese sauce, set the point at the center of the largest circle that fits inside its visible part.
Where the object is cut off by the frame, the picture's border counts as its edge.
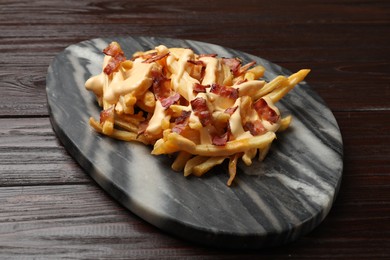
(154, 126)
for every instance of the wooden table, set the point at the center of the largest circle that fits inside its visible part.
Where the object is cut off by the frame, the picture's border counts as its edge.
(51, 208)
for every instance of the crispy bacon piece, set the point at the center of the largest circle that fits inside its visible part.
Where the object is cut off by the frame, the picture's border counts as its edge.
(212, 55)
(117, 57)
(162, 91)
(224, 91)
(113, 64)
(181, 122)
(197, 62)
(144, 56)
(220, 140)
(199, 106)
(107, 114)
(199, 88)
(255, 128)
(168, 101)
(231, 110)
(113, 49)
(159, 89)
(265, 111)
(233, 63)
(244, 68)
(156, 57)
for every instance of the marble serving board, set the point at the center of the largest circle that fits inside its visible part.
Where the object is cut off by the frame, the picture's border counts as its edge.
(270, 203)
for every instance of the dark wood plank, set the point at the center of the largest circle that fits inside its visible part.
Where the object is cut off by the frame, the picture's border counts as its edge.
(76, 221)
(30, 154)
(81, 221)
(345, 11)
(291, 34)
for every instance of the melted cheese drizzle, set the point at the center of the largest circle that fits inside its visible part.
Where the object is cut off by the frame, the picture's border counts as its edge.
(268, 125)
(249, 88)
(212, 67)
(181, 81)
(235, 122)
(154, 126)
(138, 79)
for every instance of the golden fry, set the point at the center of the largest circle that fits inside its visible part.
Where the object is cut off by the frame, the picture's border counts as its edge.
(263, 152)
(126, 125)
(294, 79)
(180, 161)
(249, 155)
(207, 165)
(192, 163)
(270, 86)
(118, 134)
(285, 123)
(232, 168)
(176, 142)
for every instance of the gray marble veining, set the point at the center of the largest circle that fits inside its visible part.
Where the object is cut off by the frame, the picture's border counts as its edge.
(271, 203)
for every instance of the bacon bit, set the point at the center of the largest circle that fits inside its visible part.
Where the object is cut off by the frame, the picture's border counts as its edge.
(231, 110)
(224, 91)
(145, 56)
(220, 140)
(107, 114)
(199, 88)
(265, 111)
(233, 63)
(246, 67)
(157, 76)
(181, 122)
(212, 55)
(167, 102)
(156, 58)
(183, 117)
(255, 128)
(205, 117)
(142, 127)
(159, 89)
(113, 49)
(113, 64)
(199, 106)
(197, 62)
(117, 57)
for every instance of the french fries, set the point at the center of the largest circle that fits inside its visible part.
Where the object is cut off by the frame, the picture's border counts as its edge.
(202, 108)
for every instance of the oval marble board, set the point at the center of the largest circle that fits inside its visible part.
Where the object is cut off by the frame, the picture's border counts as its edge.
(270, 203)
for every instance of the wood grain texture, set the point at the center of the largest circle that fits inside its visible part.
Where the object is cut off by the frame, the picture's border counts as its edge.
(50, 208)
(31, 155)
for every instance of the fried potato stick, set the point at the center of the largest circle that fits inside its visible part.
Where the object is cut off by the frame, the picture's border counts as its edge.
(176, 142)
